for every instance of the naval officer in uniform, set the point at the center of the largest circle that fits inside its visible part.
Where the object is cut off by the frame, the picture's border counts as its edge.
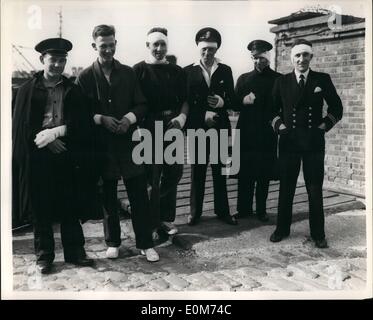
(210, 94)
(298, 99)
(258, 140)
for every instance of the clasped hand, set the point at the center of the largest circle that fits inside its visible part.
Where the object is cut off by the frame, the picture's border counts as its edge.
(114, 125)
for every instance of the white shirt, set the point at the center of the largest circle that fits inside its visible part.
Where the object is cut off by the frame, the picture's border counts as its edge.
(305, 74)
(204, 71)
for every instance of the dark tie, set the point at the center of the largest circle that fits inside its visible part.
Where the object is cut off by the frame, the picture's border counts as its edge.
(301, 82)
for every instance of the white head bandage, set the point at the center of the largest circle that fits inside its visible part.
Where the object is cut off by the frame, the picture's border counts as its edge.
(205, 44)
(299, 49)
(156, 36)
(265, 54)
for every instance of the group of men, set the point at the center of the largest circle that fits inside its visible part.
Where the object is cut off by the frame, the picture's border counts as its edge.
(68, 136)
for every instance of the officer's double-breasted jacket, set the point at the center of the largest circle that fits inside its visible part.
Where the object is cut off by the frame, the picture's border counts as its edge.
(198, 90)
(301, 111)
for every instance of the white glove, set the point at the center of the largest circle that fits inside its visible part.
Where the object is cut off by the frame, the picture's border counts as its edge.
(181, 118)
(249, 99)
(49, 135)
(281, 127)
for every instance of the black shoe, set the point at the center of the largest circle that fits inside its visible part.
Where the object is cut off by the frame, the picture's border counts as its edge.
(276, 237)
(321, 244)
(240, 215)
(192, 221)
(81, 261)
(44, 267)
(263, 217)
(228, 219)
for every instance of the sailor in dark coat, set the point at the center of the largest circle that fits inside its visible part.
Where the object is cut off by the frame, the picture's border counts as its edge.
(258, 140)
(210, 94)
(164, 86)
(298, 99)
(52, 177)
(118, 106)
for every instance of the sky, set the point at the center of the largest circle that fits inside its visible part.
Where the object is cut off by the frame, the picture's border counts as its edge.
(239, 22)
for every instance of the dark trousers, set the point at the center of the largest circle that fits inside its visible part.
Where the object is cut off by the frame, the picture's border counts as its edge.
(72, 239)
(197, 193)
(221, 205)
(52, 200)
(313, 171)
(138, 196)
(163, 179)
(245, 195)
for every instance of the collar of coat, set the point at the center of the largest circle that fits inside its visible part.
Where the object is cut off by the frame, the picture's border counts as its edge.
(205, 74)
(215, 64)
(266, 70)
(115, 65)
(66, 82)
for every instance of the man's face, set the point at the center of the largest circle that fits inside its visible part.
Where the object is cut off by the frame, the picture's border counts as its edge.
(105, 47)
(54, 64)
(208, 54)
(158, 49)
(301, 61)
(259, 62)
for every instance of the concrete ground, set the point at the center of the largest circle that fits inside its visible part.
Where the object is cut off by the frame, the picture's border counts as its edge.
(211, 256)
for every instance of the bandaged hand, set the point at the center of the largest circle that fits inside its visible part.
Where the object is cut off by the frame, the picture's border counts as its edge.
(47, 136)
(249, 99)
(215, 101)
(210, 118)
(177, 122)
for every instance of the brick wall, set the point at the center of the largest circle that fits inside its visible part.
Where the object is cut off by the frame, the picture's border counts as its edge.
(341, 54)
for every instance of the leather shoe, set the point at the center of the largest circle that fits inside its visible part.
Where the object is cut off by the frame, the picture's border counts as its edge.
(276, 237)
(240, 215)
(192, 221)
(44, 267)
(263, 217)
(321, 243)
(229, 219)
(81, 261)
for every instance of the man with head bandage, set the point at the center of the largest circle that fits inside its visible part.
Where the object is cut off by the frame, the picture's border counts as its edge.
(258, 141)
(164, 86)
(210, 94)
(297, 105)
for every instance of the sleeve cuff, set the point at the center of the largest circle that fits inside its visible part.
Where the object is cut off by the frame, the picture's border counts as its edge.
(330, 121)
(276, 122)
(131, 117)
(97, 119)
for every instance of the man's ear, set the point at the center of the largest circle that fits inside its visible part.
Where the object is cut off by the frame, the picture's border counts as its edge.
(147, 44)
(311, 56)
(41, 58)
(94, 46)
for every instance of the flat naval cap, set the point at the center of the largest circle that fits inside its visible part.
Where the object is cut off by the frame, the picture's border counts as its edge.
(209, 35)
(54, 45)
(259, 46)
